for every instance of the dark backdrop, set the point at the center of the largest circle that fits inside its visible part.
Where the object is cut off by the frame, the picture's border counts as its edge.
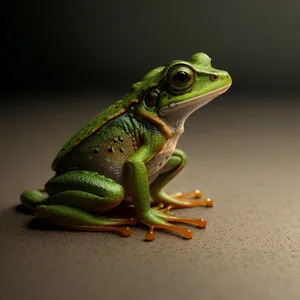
(110, 44)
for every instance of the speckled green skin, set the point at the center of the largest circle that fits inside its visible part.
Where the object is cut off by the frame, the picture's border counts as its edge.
(128, 151)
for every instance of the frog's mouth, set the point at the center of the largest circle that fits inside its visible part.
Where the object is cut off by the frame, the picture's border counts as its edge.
(176, 113)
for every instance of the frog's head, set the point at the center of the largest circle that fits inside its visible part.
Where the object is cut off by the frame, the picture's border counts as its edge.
(175, 91)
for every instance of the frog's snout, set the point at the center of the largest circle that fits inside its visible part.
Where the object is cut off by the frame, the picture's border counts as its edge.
(225, 77)
(229, 79)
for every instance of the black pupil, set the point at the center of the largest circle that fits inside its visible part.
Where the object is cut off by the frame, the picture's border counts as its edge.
(181, 76)
(151, 99)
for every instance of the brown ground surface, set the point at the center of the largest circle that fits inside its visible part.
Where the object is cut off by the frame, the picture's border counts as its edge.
(243, 152)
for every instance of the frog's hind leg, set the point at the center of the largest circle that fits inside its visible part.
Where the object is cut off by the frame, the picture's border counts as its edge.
(75, 200)
(77, 219)
(32, 198)
(178, 200)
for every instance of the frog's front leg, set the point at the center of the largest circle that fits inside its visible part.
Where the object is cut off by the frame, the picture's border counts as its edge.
(140, 194)
(75, 200)
(178, 200)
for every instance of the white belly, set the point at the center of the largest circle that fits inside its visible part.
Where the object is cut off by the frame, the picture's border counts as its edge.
(161, 158)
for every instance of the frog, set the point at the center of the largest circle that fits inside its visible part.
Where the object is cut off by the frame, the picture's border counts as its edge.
(128, 153)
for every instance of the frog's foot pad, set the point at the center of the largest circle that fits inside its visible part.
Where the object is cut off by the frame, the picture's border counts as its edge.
(191, 199)
(163, 219)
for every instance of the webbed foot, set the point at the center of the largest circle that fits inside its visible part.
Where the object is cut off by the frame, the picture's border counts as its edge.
(196, 194)
(180, 200)
(160, 218)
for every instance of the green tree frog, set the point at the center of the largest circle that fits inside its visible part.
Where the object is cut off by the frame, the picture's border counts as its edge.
(127, 153)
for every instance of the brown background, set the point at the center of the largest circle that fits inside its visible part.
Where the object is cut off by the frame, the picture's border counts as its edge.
(243, 151)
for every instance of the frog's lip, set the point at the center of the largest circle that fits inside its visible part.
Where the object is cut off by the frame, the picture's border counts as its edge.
(197, 101)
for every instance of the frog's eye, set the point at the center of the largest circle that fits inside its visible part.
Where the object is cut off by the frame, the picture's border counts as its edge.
(213, 77)
(180, 78)
(152, 98)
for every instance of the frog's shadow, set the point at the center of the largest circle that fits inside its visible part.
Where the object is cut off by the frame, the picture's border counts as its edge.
(34, 223)
(23, 209)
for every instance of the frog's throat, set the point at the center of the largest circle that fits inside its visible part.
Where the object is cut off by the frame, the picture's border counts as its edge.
(176, 115)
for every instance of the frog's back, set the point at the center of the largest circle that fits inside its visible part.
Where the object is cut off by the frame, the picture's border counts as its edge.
(113, 111)
(150, 80)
